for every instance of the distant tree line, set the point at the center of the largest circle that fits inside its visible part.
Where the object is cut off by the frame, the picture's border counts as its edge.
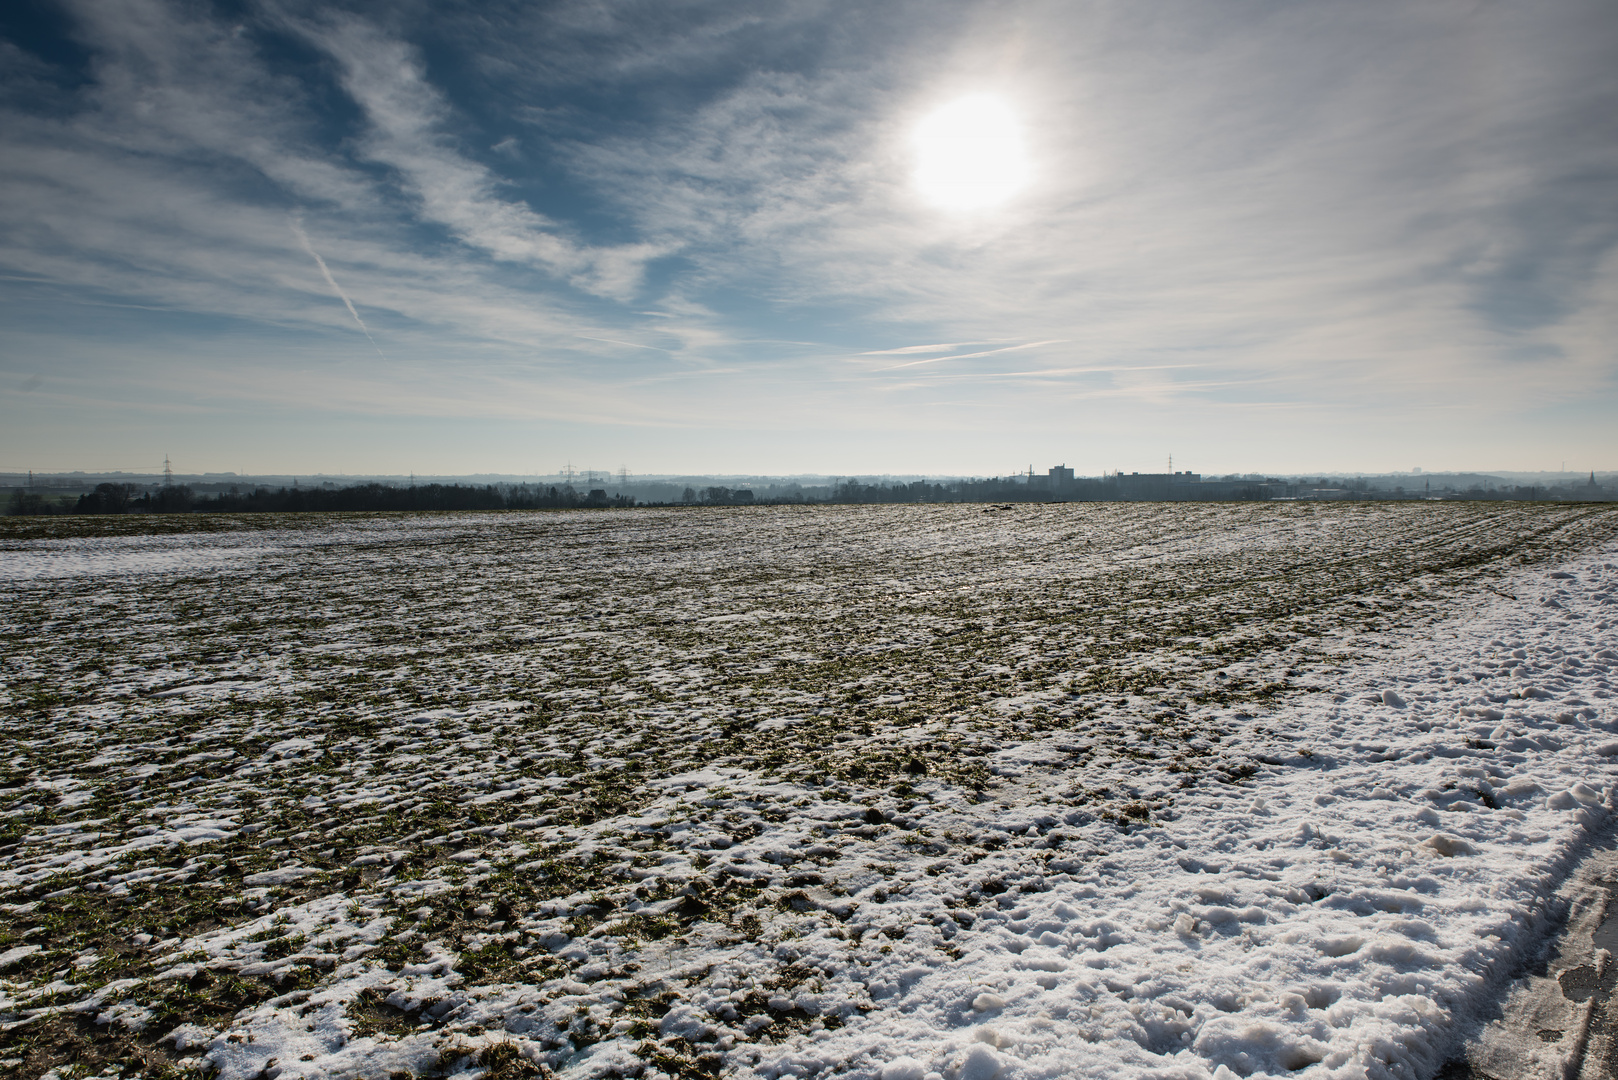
(180, 499)
(718, 496)
(113, 498)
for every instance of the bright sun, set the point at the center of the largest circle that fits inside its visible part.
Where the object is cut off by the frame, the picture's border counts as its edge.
(969, 154)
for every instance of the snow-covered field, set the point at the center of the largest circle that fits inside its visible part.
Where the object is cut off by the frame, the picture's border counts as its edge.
(1178, 791)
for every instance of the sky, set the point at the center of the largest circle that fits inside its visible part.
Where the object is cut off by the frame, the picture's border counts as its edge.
(677, 236)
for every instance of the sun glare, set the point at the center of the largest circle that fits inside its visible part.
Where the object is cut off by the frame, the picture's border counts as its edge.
(969, 154)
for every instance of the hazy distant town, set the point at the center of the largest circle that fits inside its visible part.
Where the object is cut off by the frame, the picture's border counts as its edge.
(30, 494)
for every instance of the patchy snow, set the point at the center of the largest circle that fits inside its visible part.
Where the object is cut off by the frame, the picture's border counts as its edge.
(96, 557)
(1336, 915)
(1184, 792)
(13, 955)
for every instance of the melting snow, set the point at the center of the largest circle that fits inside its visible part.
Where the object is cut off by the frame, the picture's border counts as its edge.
(1013, 826)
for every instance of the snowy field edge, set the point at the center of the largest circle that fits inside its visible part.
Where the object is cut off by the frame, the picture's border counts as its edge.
(1352, 853)
(1391, 888)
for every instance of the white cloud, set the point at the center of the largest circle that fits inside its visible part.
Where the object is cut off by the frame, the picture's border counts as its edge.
(166, 183)
(1299, 195)
(1333, 212)
(410, 124)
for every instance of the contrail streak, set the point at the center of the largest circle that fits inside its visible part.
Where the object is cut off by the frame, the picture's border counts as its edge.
(303, 238)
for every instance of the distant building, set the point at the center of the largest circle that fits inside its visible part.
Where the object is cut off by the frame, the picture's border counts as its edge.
(1059, 483)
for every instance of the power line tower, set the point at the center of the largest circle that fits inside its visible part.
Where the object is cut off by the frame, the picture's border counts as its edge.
(569, 473)
(168, 472)
(623, 476)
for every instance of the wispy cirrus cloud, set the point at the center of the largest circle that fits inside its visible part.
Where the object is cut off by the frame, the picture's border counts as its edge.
(1299, 191)
(409, 130)
(976, 355)
(303, 238)
(706, 213)
(911, 350)
(168, 176)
